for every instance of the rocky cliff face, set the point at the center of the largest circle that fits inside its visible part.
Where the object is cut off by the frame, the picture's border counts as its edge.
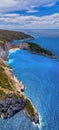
(37, 49)
(12, 98)
(3, 51)
(31, 47)
(11, 105)
(7, 35)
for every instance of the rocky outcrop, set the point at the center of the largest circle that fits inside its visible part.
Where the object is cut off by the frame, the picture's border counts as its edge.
(6, 37)
(31, 111)
(12, 98)
(35, 118)
(37, 49)
(4, 49)
(11, 105)
(31, 47)
(9, 36)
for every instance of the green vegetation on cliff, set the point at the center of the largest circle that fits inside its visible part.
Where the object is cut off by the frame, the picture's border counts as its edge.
(35, 48)
(7, 35)
(12, 100)
(29, 108)
(6, 79)
(5, 82)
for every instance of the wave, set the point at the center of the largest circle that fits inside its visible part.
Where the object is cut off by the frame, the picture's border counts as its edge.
(13, 50)
(40, 123)
(10, 61)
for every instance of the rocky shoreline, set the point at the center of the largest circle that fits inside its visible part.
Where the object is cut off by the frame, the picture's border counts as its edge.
(11, 105)
(31, 47)
(36, 49)
(12, 98)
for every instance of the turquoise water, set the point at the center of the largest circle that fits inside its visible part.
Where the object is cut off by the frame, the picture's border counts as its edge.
(40, 75)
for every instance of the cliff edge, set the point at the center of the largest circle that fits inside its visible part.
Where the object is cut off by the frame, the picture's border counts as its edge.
(12, 98)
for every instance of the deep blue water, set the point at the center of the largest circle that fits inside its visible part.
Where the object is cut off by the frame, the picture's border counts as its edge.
(40, 75)
(17, 122)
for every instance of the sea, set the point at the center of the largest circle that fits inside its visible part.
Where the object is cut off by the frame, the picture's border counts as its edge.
(40, 76)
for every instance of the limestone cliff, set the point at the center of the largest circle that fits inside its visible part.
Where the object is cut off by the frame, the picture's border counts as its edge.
(12, 98)
(8, 35)
(31, 47)
(37, 49)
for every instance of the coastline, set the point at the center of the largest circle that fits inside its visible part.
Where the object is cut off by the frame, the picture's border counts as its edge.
(15, 95)
(42, 90)
(14, 49)
(35, 117)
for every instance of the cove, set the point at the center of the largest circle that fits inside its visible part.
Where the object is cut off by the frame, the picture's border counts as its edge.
(40, 75)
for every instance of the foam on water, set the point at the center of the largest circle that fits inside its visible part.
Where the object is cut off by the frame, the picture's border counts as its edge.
(13, 50)
(10, 61)
(40, 124)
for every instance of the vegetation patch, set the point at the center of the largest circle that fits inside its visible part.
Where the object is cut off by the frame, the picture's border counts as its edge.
(4, 80)
(2, 94)
(38, 49)
(29, 108)
(7, 85)
(7, 35)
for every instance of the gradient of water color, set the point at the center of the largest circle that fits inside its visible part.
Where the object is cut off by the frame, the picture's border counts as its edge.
(40, 75)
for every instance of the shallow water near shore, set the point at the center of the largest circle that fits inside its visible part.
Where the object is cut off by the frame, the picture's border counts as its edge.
(40, 80)
(40, 75)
